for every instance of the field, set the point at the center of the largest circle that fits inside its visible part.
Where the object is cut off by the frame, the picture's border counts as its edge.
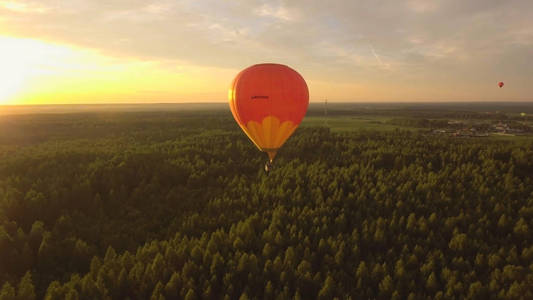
(350, 123)
(171, 202)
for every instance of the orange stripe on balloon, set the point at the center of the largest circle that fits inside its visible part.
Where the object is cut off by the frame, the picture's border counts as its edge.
(250, 135)
(285, 131)
(270, 134)
(257, 133)
(268, 126)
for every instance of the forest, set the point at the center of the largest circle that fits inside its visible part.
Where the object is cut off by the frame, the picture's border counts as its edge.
(176, 205)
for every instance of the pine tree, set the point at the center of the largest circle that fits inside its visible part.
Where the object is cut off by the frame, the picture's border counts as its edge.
(157, 294)
(362, 271)
(431, 283)
(269, 290)
(521, 228)
(72, 294)
(191, 295)
(7, 292)
(54, 291)
(328, 287)
(26, 290)
(386, 286)
(244, 296)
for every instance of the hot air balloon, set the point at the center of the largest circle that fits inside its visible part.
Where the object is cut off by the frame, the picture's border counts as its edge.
(500, 84)
(268, 101)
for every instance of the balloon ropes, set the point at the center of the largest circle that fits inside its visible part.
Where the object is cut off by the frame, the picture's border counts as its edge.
(268, 101)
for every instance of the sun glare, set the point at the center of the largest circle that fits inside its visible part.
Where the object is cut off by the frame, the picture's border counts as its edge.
(21, 60)
(38, 72)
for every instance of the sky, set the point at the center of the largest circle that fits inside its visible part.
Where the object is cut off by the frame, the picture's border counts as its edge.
(155, 51)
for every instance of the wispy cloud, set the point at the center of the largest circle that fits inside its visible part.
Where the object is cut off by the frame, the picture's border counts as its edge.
(423, 6)
(23, 6)
(383, 65)
(279, 12)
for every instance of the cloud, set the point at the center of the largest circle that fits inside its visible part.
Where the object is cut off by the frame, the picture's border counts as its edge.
(328, 40)
(278, 12)
(423, 6)
(23, 7)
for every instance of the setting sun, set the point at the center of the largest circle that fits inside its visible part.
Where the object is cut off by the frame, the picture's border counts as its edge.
(38, 72)
(24, 60)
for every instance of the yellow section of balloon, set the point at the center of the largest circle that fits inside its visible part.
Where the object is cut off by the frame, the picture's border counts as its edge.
(270, 134)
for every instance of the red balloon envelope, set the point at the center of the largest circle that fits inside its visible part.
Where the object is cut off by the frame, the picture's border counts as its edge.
(268, 101)
(500, 84)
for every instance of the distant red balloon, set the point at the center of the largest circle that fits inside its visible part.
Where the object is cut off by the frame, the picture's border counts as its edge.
(500, 84)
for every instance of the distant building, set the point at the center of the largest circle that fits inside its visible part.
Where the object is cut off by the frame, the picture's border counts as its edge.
(453, 122)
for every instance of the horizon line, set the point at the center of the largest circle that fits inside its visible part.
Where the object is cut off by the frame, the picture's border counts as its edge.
(310, 102)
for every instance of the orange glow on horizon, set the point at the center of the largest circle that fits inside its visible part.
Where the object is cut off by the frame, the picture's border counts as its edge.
(34, 72)
(38, 72)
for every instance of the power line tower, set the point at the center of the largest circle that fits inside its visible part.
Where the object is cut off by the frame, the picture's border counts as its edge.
(326, 112)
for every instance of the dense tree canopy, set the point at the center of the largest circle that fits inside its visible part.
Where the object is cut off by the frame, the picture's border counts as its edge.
(165, 206)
